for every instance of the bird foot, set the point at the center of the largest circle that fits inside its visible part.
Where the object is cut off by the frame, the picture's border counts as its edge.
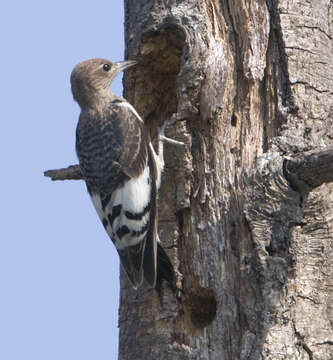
(162, 138)
(171, 141)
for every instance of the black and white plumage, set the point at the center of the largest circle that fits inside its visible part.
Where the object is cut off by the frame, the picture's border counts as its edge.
(121, 170)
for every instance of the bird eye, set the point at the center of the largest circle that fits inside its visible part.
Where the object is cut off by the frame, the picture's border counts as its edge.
(106, 67)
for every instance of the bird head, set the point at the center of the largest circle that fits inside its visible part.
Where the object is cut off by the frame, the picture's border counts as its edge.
(91, 78)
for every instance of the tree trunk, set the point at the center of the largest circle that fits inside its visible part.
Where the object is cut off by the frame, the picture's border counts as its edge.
(244, 214)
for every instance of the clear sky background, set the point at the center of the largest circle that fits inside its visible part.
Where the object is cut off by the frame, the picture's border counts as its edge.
(59, 272)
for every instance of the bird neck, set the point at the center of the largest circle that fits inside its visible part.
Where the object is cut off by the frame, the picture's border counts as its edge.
(96, 100)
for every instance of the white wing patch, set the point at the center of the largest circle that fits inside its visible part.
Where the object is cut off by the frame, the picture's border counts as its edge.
(135, 194)
(130, 226)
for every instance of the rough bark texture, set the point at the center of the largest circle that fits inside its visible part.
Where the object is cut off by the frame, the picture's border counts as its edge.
(249, 84)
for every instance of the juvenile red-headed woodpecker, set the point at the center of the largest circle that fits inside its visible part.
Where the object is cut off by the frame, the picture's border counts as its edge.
(121, 169)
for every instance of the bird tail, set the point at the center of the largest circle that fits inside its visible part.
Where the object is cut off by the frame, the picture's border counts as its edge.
(131, 258)
(165, 269)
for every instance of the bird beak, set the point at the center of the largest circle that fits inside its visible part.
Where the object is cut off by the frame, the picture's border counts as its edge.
(122, 65)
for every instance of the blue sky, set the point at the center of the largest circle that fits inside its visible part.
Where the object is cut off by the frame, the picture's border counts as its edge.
(59, 273)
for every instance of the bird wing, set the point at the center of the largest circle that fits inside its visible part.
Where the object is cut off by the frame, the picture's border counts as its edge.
(111, 147)
(113, 154)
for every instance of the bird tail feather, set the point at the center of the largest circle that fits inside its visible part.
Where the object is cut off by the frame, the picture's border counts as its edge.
(131, 258)
(165, 269)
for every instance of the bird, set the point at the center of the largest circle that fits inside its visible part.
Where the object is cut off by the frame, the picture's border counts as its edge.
(121, 170)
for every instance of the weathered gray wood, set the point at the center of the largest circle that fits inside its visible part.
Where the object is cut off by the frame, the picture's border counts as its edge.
(249, 84)
(303, 317)
(310, 169)
(72, 172)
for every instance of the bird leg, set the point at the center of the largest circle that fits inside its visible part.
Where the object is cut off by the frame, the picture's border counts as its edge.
(161, 138)
(171, 141)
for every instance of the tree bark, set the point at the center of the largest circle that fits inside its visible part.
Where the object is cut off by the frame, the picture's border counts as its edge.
(245, 209)
(249, 84)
